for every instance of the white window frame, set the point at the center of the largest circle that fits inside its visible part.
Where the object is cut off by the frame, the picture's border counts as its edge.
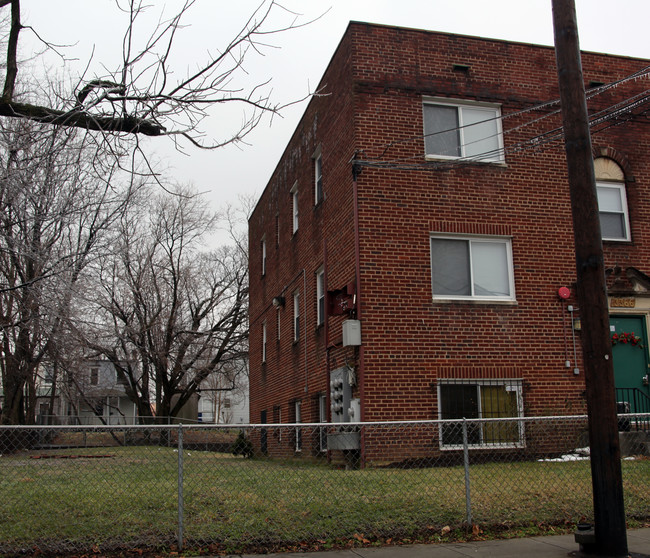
(263, 256)
(471, 239)
(620, 187)
(493, 114)
(512, 385)
(320, 296)
(294, 208)
(318, 176)
(322, 417)
(298, 411)
(264, 342)
(296, 316)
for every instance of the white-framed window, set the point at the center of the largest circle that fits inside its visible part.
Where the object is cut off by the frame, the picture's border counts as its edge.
(320, 296)
(477, 268)
(298, 411)
(322, 417)
(318, 176)
(263, 342)
(455, 130)
(482, 402)
(296, 316)
(612, 200)
(612, 208)
(263, 250)
(294, 207)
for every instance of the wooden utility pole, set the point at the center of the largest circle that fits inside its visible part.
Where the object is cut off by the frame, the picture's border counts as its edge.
(609, 511)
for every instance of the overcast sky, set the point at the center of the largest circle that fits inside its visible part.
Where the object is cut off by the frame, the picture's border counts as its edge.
(301, 56)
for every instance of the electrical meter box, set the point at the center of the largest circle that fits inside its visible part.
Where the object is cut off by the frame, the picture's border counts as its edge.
(344, 409)
(340, 394)
(351, 333)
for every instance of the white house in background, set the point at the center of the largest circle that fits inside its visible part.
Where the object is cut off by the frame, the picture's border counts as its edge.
(224, 398)
(98, 396)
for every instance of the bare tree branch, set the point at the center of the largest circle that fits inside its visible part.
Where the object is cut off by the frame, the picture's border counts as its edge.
(143, 96)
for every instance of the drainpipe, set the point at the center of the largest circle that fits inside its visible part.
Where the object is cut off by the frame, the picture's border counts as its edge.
(304, 327)
(356, 171)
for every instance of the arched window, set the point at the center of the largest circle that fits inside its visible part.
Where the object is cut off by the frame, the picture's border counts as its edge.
(612, 200)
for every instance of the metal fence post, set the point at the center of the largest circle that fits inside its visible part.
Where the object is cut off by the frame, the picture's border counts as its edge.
(180, 487)
(468, 496)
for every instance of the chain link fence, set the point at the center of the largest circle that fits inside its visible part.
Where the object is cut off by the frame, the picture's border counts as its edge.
(78, 489)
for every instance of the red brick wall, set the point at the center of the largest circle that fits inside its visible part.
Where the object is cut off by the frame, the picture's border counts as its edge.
(376, 83)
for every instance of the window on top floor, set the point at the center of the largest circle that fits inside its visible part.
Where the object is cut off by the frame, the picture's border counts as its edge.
(263, 249)
(462, 130)
(612, 200)
(472, 268)
(294, 208)
(318, 176)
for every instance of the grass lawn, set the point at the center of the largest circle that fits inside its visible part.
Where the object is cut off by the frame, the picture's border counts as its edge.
(128, 496)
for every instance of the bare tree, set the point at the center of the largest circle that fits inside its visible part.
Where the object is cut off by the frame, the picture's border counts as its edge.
(170, 314)
(58, 197)
(146, 94)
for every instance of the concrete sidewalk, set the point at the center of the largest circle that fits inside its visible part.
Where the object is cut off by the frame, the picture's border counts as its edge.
(559, 546)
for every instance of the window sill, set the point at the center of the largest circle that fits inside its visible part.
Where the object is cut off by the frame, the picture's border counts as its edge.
(618, 240)
(461, 160)
(496, 302)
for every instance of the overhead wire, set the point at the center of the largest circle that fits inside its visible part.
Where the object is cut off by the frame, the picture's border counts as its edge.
(614, 111)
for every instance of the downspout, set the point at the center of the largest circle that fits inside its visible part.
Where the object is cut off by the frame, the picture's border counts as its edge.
(304, 305)
(356, 171)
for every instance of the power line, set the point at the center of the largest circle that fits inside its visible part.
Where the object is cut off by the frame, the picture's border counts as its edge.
(616, 110)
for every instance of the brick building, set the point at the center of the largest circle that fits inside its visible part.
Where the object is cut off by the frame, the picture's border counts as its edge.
(413, 248)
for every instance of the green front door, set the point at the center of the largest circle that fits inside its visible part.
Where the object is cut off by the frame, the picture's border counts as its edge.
(630, 352)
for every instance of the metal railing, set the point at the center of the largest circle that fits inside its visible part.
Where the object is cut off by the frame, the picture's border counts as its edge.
(634, 400)
(261, 488)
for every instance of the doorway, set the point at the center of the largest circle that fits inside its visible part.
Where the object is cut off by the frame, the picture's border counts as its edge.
(630, 353)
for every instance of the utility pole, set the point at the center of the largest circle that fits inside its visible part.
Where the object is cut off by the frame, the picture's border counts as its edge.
(607, 481)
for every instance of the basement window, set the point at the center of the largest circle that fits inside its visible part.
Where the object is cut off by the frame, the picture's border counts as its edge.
(481, 399)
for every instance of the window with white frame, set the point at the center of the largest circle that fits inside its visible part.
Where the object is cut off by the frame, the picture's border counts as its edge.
(298, 412)
(296, 316)
(612, 208)
(263, 250)
(612, 200)
(318, 176)
(320, 296)
(472, 268)
(463, 130)
(322, 417)
(481, 399)
(263, 342)
(294, 207)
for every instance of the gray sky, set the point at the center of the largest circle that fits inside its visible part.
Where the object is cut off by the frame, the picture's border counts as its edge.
(301, 56)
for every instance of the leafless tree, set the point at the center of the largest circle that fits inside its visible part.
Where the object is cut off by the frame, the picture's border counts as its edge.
(146, 94)
(58, 197)
(169, 313)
